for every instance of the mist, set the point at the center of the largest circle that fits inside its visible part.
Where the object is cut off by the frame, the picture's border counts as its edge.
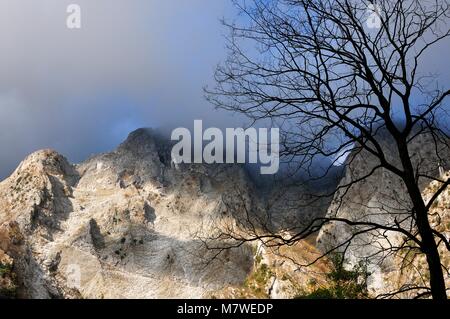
(132, 64)
(136, 63)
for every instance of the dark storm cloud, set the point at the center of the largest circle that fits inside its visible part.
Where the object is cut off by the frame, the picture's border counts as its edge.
(133, 63)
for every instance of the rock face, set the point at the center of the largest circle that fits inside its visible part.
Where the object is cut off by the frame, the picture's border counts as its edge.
(412, 268)
(380, 198)
(131, 224)
(122, 224)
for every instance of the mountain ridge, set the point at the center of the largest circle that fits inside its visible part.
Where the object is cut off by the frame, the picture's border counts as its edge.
(124, 224)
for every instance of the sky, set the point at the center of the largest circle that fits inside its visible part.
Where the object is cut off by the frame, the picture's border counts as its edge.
(135, 63)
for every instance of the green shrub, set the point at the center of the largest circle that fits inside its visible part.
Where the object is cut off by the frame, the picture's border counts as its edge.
(321, 293)
(5, 270)
(8, 292)
(8, 288)
(344, 284)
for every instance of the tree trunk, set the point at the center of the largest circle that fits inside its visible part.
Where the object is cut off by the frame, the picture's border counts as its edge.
(429, 246)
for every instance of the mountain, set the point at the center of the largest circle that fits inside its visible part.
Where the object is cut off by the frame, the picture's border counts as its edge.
(381, 198)
(130, 224)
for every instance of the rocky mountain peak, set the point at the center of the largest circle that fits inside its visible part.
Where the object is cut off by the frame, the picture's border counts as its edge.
(46, 161)
(126, 218)
(145, 142)
(140, 142)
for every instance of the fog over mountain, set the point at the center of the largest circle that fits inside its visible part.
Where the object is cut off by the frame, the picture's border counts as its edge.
(132, 64)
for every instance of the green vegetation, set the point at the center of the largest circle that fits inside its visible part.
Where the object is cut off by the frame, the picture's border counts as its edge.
(5, 270)
(257, 281)
(262, 274)
(8, 288)
(344, 284)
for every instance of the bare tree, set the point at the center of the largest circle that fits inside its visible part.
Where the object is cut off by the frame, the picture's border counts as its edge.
(332, 82)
